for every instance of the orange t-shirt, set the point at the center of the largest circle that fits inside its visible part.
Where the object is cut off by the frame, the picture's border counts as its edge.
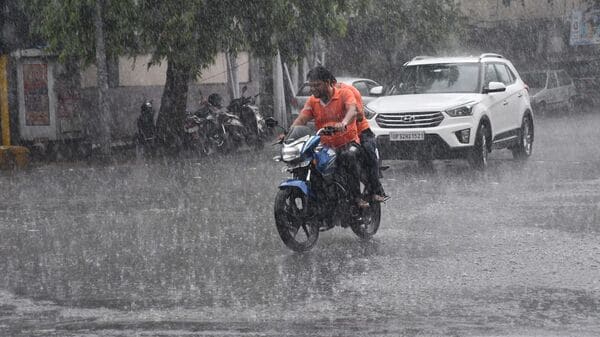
(331, 113)
(363, 124)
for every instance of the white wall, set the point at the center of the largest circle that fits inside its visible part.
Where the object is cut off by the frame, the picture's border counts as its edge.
(135, 72)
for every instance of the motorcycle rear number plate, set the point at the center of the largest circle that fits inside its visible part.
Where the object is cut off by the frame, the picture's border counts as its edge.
(407, 136)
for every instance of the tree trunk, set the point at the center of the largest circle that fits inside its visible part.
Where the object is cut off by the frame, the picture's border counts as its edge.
(266, 86)
(173, 104)
(102, 81)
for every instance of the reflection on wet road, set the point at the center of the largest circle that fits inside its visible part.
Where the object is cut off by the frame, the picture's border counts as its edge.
(189, 247)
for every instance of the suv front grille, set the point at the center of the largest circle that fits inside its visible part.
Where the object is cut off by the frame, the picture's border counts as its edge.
(408, 120)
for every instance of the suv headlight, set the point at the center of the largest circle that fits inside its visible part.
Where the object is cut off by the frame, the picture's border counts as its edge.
(460, 111)
(369, 113)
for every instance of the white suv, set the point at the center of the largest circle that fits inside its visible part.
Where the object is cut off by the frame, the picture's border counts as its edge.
(459, 107)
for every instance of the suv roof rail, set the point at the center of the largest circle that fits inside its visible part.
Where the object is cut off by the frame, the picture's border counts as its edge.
(420, 57)
(491, 55)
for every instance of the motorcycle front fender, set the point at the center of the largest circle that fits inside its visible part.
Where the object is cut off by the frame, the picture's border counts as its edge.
(295, 183)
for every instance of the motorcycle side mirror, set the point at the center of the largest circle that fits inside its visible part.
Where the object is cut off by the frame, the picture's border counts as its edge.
(271, 122)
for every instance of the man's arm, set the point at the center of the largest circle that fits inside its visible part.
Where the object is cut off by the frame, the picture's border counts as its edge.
(351, 115)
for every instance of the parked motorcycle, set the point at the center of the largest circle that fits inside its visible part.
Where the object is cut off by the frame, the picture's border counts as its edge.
(226, 131)
(212, 128)
(195, 139)
(250, 116)
(316, 198)
(146, 137)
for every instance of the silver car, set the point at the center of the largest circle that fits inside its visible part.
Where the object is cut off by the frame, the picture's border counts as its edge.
(368, 89)
(550, 90)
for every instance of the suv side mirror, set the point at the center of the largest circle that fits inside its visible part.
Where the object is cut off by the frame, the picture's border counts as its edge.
(376, 91)
(494, 87)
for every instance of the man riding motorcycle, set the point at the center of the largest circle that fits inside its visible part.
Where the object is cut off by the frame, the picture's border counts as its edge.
(336, 107)
(369, 159)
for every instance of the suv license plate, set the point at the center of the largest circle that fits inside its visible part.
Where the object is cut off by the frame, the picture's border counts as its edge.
(407, 136)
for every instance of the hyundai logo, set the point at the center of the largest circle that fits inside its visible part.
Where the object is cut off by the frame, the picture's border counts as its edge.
(408, 118)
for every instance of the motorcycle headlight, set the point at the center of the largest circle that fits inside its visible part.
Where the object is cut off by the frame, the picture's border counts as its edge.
(369, 113)
(461, 111)
(291, 152)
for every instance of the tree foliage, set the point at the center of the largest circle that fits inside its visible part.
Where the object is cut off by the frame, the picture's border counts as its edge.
(66, 27)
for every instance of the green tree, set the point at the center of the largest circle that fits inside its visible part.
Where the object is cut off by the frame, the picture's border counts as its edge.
(383, 34)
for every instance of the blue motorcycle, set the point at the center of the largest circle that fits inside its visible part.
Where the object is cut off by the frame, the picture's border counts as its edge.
(316, 198)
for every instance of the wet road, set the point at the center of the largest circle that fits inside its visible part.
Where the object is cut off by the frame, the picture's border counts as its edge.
(190, 249)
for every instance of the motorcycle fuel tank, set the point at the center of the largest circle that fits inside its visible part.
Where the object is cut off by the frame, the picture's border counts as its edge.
(326, 161)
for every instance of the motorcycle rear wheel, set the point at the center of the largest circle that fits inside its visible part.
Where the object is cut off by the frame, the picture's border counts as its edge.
(295, 232)
(368, 223)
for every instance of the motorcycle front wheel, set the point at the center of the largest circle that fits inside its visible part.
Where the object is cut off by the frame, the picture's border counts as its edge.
(295, 232)
(367, 224)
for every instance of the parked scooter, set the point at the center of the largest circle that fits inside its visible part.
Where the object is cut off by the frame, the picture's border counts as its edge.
(195, 138)
(228, 130)
(146, 137)
(250, 116)
(211, 128)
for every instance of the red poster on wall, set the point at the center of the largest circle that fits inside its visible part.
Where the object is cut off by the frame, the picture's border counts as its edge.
(35, 88)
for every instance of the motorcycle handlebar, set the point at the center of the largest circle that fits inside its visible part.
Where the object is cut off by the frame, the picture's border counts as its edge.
(328, 130)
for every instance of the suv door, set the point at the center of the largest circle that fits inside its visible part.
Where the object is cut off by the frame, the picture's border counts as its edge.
(497, 102)
(514, 96)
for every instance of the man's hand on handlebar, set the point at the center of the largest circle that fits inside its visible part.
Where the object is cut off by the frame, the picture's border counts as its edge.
(340, 126)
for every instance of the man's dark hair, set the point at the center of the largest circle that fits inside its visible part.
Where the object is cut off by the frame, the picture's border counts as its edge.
(320, 73)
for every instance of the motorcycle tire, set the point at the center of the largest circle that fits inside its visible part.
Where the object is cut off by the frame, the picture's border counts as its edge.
(367, 224)
(295, 233)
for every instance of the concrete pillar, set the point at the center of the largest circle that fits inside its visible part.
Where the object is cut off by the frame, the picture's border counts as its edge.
(279, 110)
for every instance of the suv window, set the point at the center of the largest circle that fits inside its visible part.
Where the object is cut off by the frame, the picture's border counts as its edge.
(504, 74)
(438, 78)
(564, 78)
(490, 74)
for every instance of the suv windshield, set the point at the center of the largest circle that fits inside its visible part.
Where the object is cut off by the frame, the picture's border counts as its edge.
(438, 78)
(535, 80)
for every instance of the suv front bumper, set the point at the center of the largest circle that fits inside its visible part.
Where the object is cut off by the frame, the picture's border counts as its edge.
(440, 142)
